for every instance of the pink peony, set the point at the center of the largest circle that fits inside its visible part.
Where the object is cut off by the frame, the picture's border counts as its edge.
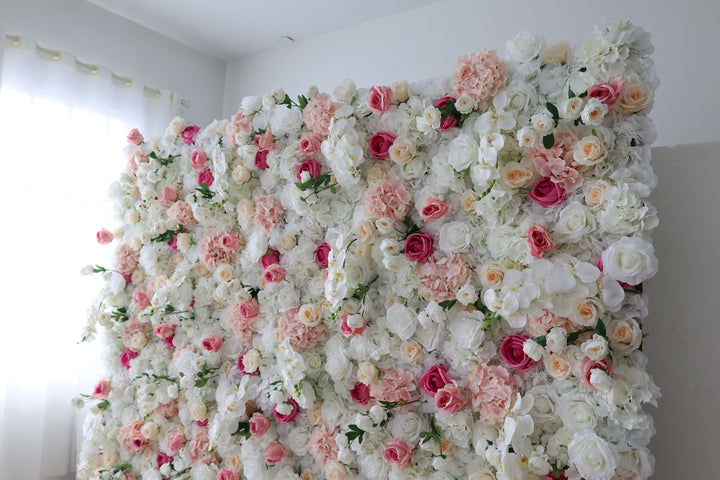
(608, 93)
(311, 166)
(270, 257)
(268, 213)
(434, 209)
(434, 379)
(321, 254)
(198, 160)
(131, 437)
(168, 410)
(348, 331)
(188, 135)
(162, 459)
(206, 177)
(212, 343)
(135, 137)
(447, 122)
(274, 452)
(176, 441)
(126, 356)
(199, 448)
(480, 75)
(265, 141)
(261, 159)
(241, 318)
(390, 199)
(441, 279)
(450, 399)
(360, 393)
(102, 390)
(310, 143)
(318, 113)
(104, 236)
(288, 417)
(394, 386)
(126, 259)
(539, 240)
(419, 246)
(492, 392)
(511, 351)
(140, 298)
(274, 273)
(181, 211)
(379, 99)
(547, 193)
(380, 144)
(587, 365)
(301, 336)
(227, 474)
(259, 424)
(218, 247)
(398, 453)
(323, 447)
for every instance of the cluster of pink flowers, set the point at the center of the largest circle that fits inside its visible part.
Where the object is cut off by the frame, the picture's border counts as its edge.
(480, 75)
(318, 113)
(441, 279)
(387, 200)
(131, 437)
(395, 385)
(323, 446)
(241, 318)
(218, 248)
(492, 392)
(268, 212)
(300, 335)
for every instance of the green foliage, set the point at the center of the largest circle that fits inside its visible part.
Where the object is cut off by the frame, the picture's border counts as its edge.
(549, 140)
(204, 190)
(355, 433)
(164, 161)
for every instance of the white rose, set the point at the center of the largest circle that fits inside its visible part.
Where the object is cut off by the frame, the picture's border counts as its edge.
(355, 321)
(538, 464)
(165, 469)
(384, 225)
(594, 112)
(572, 108)
(542, 122)
(577, 414)
(309, 314)
(463, 152)
(407, 426)
(574, 223)
(556, 339)
(533, 349)
(465, 104)
(150, 430)
(631, 260)
(241, 174)
(592, 456)
(198, 411)
(251, 361)
(345, 91)
(402, 151)
(528, 137)
(596, 348)
(132, 217)
(390, 246)
(455, 237)
(401, 321)
(400, 91)
(589, 151)
(268, 102)
(601, 380)
(466, 329)
(298, 440)
(337, 365)
(377, 414)
(358, 271)
(525, 47)
(467, 294)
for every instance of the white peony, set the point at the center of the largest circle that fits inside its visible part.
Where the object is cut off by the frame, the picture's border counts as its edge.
(463, 152)
(631, 260)
(401, 321)
(593, 457)
(455, 237)
(466, 328)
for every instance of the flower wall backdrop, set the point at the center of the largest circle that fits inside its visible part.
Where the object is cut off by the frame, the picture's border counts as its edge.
(429, 280)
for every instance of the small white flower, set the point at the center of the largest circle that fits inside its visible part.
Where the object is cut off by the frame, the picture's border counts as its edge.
(465, 104)
(594, 112)
(572, 108)
(533, 349)
(528, 137)
(601, 380)
(467, 294)
(542, 122)
(596, 348)
(556, 339)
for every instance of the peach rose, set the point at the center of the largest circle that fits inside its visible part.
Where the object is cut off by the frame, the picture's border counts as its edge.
(637, 97)
(586, 312)
(589, 151)
(625, 335)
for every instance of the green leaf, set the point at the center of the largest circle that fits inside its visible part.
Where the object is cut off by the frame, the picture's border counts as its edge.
(571, 94)
(411, 225)
(243, 430)
(583, 95)
(163, 161)
(554, 112)
(103, 405)
(600, 328)
(447, 304)
(201, 382)
(168, 236)
(572, 337)
(204, 191)
(594, 132)
(645, 335)
(549, 140)
(302, 101)
(542, 341)
(99, 269)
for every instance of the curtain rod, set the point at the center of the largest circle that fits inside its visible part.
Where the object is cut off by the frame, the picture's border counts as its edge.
(90, 68)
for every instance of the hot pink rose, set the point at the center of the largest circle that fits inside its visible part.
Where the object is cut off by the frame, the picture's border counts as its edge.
(321, 254)
(434, 379)
(135, 137)
(310, 143)
(265, 141)
(126, 356)
(419, 246)
(398, 453)
(311, 166)
(274, 452)
(188, 135)
(259, 424)
(379, 99)
(212, 343)
(274, 274)
(587, 365)
(162, 459)
(270, 257)
(539, 240)
(140, 298)
(104, 236)
(168, 196)
(380, 144)
(434, 209)
(227, 474)
(261, 159)
(198, 160)
(206, 177)
(290, 416)
(176, 441)
(348, 331)
(547, 193)
(360, 393)
(608, 93)
(511, 351)
(551, 476)
(102, 390)
(450, 399)
(447, 121)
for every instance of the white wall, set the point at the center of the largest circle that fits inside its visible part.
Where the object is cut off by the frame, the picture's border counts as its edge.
(425, 43)
(97, 36)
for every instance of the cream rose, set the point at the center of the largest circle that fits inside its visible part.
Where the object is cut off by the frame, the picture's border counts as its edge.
(595, 348)
(631, 260)
(286, 242)
(367, 373)
(251, 361)
(556, 52)
(309, 314)
(594, 112)
(240, 174)
(625, 335)
(586, 312)
(542, 122)
(198, 411)
(595, 194)
(528, 137)
(557, 366)
(345, 91)
(224, 273)
(572, 108)
(637, 97)
(365, 231)
(402, 151)
(400, 91)
(589, 151)
(411, 351)
(491, 275)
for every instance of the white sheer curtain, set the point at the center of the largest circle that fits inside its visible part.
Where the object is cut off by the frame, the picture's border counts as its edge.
(62, 130)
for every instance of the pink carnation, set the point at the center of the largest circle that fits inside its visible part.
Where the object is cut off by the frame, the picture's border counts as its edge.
(212, 343)
(301, 336)
(176, 441)
(218, 247)
(265, 141)
(480, 75)
(318, 113)
(450, 399)
(140, 298)
(380, 144)
(188, 135)
(135, 137)
(126, 259)
(168, 410)
(131, 438)
(168, 196)
(492, 392)
(227, 474)
(104, 236)
(434, 209)
(390, 199)
(268, 212)
(379, 99)
(181, 211)
(310, 143)
(323, 447)
(102, 390)
(398, 453)
(259, 424)
(394, 386)
(441, 279)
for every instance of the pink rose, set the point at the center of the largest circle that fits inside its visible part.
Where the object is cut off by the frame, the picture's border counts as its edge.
(321, 254)
(434, 379)
(227, 474)
(398, 452)
(587, 365)
(249, 309)
(162, 459)
(274, 452)
(126, 356)
(130, 476)
(102, 390)
(212, 343)
(311, 166)
(310, 143)
(450, 399)
(608, 93)
(270, 257)
(348, 331)
(168, 196)
(164, 330)
(379, 99)
(511, 351)
(176, 441)
(419, 246)
(104, 236)
(198, 160)
(135, 137)
(130, 436)
(447, 121)
(265, 141)
(539, 240)
(290, 416)
(380, 144)
(206, 177)
(188, 135)
(140, 298)
(259, 424)
(274, 274)
(547, 193)
(360, 394)
(551, 476)
(261, 159)
(434, 209)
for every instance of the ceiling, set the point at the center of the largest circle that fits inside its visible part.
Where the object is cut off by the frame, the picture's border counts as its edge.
(228, 29)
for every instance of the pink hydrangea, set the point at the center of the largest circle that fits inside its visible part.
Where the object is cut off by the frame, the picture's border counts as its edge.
(390, 199)
(441, 279)
(218, 247)
(323, 447)
(492, 392)
(239, 123)
(168, 410)
(394, 386)
(241, 318)
(265, 141)
(268, 212)
(126, 259)
(131, 437)
(480, 75)
(199, 448)
(181, 212)
(539, 326)
(318, 113)
(301, 336)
